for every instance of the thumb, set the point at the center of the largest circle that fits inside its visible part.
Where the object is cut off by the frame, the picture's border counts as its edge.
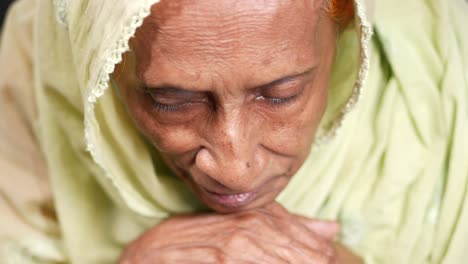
(327, 229)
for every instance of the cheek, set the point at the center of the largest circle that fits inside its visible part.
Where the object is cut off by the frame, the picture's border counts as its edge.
(294, 134)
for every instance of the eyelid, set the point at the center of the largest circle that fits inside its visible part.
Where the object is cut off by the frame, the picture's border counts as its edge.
(285, 89)
(174, 100)
(310, 72)
(176, 94)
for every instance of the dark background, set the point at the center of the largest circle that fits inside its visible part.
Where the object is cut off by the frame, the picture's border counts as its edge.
(3, 7)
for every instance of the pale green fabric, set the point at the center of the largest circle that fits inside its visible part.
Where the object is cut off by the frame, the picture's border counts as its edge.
(395, 173)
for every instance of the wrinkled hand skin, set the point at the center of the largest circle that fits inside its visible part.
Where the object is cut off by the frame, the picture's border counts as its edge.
(266, 235)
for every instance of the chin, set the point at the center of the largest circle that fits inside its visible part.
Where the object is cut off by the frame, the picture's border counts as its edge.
(232, 203)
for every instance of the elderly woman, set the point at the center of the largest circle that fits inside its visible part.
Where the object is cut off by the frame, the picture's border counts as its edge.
(223, 131)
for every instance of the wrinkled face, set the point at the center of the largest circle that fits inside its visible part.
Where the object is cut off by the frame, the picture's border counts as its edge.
(231, 92)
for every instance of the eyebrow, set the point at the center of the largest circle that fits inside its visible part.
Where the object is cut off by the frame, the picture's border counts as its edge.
(171, 88)
(287, 78)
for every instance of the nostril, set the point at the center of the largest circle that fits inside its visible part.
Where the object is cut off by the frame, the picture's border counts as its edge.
(205, 161)
(226, 170)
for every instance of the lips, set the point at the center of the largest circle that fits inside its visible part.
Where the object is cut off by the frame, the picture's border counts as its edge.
(231, 200)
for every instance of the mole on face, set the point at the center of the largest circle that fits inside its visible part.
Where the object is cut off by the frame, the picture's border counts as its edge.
(231, 92)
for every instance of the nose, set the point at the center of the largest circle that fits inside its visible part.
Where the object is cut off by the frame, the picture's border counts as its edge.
(233, 156)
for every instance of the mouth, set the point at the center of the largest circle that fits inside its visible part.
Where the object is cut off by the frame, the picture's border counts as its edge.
(231, 200)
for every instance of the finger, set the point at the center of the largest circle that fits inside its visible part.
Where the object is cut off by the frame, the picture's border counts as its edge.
(345, 255)
(313, 255)
(249, 247)
(274, 208)
(186, 254)
(327, 229)
(293, 252)
(299, 253)
(303, 237)
(313, 234)
(274, 247)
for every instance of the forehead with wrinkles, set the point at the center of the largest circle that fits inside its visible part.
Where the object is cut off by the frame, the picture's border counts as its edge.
(193, 37)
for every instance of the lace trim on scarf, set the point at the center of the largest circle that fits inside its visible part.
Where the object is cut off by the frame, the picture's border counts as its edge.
(365, 34)
(120, 47)
(61, 13)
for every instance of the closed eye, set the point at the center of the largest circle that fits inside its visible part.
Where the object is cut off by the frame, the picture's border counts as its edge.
(169, 99)
(282, 92)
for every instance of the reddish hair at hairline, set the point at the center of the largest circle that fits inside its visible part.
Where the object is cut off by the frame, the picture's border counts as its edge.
(341, 11)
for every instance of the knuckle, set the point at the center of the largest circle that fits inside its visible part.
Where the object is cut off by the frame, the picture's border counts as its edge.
(322, 259)
(238, 238)
(251, 218)
(254, 221)
(208, 254)
(326, 248)
(328, 259)
(215, 255)
(328, 255)
(220, 257)
(329, 250)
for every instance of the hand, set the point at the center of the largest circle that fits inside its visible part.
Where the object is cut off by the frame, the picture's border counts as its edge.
(265, 235)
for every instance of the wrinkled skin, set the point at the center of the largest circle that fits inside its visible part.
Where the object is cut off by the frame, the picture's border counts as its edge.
(264, 235)
(231, 94)
(255, 77)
